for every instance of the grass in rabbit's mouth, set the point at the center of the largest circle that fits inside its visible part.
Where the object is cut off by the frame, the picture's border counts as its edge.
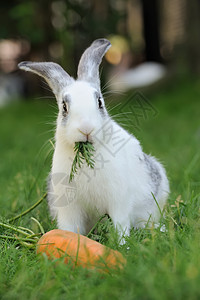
(83, 151)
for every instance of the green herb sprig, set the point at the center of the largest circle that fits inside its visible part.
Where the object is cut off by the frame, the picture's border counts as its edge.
(83, 151)
(21, 235)
(24, 236)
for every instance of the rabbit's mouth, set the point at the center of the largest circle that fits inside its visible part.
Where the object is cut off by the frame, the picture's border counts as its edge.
(86, 139)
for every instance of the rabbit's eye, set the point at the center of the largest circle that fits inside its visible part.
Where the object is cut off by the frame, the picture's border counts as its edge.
(65, 107)
(100, 103)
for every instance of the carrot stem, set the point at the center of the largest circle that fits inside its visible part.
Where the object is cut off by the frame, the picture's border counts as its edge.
(29, 209)
(17, 238)
(14, 228)
(38, 223)
(35, 235)
(26, 229)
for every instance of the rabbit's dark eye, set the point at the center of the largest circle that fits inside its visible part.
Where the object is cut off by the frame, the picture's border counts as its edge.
(65, 107)
(100, 103)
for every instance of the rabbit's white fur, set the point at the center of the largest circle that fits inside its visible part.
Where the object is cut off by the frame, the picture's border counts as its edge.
(124, 183)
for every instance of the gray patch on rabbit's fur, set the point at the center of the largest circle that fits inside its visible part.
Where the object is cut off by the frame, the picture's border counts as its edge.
(153, 172)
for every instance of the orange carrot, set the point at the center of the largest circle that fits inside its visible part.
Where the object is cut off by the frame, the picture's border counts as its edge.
(79, 250)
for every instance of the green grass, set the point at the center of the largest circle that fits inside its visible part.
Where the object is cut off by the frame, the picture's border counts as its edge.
(160, 265)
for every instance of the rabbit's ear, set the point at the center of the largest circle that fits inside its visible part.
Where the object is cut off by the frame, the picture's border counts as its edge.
(55, 76)
(88, 68)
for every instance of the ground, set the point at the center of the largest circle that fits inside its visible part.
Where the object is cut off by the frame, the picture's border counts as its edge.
(160, 265)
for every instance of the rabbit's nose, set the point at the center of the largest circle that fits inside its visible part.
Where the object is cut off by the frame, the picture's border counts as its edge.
(86, 132)
(85, 127)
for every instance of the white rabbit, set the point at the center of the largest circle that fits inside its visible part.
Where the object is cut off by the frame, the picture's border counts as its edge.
(124, 183)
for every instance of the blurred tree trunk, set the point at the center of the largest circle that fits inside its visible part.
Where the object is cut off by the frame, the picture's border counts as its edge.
(44, 21)
(151, 30)
(193, 35)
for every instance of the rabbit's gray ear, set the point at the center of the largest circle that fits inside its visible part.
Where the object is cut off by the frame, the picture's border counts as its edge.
(88, 68)
(55, 76)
